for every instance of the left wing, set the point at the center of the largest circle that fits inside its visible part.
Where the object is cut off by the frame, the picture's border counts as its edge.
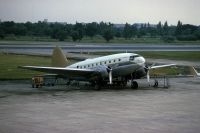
(67, 72)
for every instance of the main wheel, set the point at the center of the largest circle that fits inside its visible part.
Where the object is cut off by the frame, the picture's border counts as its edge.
(134, 85)
(156, 83)
(97, 87)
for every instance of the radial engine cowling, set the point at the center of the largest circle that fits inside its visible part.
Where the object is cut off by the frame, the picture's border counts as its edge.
(140, 73)
(103, 70)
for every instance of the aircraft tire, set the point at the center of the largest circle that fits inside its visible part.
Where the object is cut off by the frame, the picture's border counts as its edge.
(156, 83)
(97, 87)
(134, 85)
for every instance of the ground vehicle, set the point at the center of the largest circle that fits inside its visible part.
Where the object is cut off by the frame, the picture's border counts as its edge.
(37, 81)
(43, 80)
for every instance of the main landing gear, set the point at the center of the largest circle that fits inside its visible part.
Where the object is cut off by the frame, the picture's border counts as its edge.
(155, 83)
(134, 85)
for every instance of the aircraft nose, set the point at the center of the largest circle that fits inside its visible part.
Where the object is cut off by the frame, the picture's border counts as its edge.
(140, 60)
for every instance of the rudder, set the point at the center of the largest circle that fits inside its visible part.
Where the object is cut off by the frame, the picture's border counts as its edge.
(58, 58)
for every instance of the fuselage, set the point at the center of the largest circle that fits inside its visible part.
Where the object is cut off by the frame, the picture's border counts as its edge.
(122, 64)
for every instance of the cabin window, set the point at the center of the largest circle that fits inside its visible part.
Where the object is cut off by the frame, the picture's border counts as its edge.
(119, 59)
(109, 61)
(77, 66)
(84, 66)
(100, 63)
(92, 65)
(105, 62)
(113, 60)
(88, 65)
(81, 67)
(96, 64)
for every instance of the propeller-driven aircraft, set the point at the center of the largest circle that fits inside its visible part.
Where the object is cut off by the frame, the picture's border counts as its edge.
(100, 71)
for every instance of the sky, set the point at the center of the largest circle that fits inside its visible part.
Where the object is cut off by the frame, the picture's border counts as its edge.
(115, 11)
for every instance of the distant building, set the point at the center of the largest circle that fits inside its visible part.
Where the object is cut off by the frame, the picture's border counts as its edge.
(119, 25)
(137, 25)
(140, 25)
(45, 20)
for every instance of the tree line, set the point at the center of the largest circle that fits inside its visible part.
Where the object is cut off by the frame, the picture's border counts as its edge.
(62, 31)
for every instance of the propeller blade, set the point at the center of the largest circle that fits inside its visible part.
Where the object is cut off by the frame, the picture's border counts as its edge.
(148, 77)
(110, 76)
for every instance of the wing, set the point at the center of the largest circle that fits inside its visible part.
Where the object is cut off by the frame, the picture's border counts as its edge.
(194, 72)
(67, 72)
(160, 66)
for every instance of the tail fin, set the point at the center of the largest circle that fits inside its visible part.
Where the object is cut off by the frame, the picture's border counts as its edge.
(194, 72)
(58, 58)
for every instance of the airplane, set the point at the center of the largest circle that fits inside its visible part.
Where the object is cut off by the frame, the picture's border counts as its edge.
(101, 71)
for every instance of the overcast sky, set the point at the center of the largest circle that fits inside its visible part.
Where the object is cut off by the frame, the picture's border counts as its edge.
(115, 11)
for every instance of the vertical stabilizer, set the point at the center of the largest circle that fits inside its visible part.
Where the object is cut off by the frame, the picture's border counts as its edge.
(58, 58)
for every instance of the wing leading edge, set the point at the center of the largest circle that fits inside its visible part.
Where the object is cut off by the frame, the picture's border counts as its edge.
(160, 66)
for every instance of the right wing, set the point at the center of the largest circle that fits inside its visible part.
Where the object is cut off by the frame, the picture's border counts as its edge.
(160, 66)
(194, 72)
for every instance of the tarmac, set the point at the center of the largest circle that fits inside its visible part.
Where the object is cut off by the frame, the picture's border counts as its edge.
(80, 109)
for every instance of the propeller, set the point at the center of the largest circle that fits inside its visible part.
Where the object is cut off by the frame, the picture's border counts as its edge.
(147, 68)
(109, 69)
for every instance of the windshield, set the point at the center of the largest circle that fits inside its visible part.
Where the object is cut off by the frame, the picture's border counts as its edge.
(133, 57)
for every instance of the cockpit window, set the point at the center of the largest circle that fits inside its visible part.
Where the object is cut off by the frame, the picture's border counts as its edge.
(133, 57)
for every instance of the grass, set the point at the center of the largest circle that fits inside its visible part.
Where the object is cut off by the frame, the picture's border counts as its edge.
(9, 66)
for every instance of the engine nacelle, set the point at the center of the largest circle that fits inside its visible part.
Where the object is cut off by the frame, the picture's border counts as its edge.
(140, 73)
(103, 70)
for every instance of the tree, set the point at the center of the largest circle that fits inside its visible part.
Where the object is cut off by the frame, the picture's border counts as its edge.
(178, 28)
(127, 32)
(118, 32)
(61, 35)
(91, 29)
(165, 29)
(75, 35)
(159, 29)
(108, 35)
(2, 35)
(79, 27)
(197, 33)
